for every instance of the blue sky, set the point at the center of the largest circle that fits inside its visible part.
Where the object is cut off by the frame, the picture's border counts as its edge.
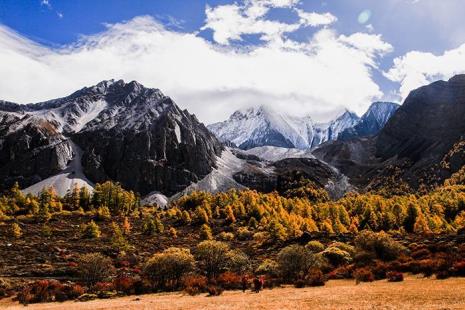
(389, 47)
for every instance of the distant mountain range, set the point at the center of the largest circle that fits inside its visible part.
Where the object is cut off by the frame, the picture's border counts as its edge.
(263, 126)
(139, 137)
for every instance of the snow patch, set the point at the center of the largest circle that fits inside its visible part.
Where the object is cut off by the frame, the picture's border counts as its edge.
(220, 179)
(66, 180)
(274, 153)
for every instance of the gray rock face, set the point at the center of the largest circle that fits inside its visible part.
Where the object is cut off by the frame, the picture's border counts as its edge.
(128, 133)
(31, 153)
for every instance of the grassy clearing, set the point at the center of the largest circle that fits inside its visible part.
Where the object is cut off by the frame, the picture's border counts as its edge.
(413, 293)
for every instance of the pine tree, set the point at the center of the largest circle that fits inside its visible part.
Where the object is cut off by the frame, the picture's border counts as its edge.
(206, 232)
(16, 231)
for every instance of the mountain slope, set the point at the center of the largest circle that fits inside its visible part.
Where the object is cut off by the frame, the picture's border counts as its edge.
(127, 133)
(376, 117)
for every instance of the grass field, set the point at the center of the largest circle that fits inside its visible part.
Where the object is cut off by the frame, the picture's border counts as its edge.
(413, 293)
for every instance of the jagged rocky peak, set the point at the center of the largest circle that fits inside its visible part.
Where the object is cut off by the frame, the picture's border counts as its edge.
(374, 119)
(125, 132)
(263, 126)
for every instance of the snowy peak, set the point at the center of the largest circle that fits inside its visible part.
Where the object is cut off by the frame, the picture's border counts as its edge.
(262, 125)
(370, 124)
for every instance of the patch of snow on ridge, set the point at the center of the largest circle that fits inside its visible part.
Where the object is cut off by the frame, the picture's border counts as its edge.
(220, 179)
(67, 179)
(95, 110)
(274, 153)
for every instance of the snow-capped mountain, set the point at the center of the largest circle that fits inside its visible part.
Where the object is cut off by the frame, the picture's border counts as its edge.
(370, 124)
(111, 131)
(262, 125)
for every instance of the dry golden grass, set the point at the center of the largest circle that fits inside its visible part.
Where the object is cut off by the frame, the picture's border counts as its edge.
(413, 293)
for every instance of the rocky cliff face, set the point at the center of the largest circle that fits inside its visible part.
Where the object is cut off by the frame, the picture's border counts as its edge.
(127, 133)
(416, 143)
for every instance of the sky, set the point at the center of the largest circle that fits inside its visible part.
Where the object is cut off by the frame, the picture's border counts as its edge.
(312, 57)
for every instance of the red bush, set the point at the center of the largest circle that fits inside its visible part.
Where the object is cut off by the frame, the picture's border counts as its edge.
(124, 284)
(48, 290)
(395, 276)
(315, 278)
(214, 290)
(230, 281)
(364, 275)
(459, 268)
(195, 284)
(379, 270)
(103, 287)
(343, 272)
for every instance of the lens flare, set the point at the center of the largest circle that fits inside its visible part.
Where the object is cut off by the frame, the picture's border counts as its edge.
(364, 16)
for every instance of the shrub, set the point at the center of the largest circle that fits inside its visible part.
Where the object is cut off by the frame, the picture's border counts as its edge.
(168, 267)
(459, 268)
(102, 213)
(230, 280)
(336, 256)
(379, 270)
(226, 236)
(344, 246)
(363, 275)
(294, 260)
(103, 287)
(206, 232)
(173, 232)
(380, 244)
(315, 278)
(238, 261)
(91, 231)
(315, 246)
(214, 290)
(47, 291)
(424, 266)
(343, 272)
(195, 284)
(152, 226)
(243, 233)
(94, 267)
(124, 283)
(394, 276)
(268, 267)
(212, 256)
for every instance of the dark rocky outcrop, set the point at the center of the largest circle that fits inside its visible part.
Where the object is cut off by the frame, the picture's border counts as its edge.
(277, 176)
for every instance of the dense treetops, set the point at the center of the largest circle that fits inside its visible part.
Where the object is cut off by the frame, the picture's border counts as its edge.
(266, 217)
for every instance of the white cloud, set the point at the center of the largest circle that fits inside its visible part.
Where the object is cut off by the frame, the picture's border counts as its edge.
(416, 69)
(314, 19)
(232, 21)
(319, 77)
